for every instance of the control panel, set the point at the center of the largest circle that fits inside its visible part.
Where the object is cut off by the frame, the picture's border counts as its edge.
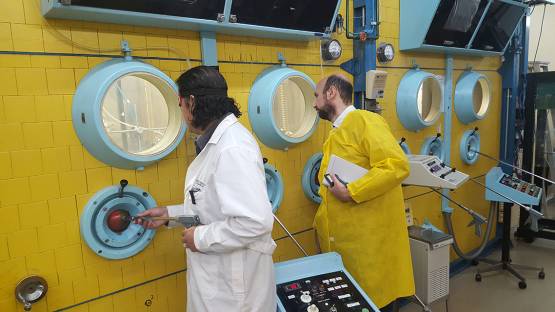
(319, 283)
(512, 187)
(331, 292)
(431, 171)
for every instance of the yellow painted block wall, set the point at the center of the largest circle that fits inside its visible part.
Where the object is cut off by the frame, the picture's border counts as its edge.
(46, 175)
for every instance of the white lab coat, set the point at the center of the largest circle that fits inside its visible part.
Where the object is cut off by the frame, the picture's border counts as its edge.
(233, 271)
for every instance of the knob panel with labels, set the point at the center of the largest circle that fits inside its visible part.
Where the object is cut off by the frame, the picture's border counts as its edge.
(512, 187)
(319, 283)
(326, 292)
(431, 171)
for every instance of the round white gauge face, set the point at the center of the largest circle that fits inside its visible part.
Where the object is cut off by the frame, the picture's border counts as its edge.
(292, 108)
(334, 49)
(388, 52)
(135, 113)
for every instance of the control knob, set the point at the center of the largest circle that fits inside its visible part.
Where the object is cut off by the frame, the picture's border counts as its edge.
(305, 297)
(312, 308)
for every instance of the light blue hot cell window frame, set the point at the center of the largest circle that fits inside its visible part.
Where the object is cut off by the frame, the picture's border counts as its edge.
(274, 186)
(88, 120)
(408, 99)
(467, 96)
(261, 103)
(310, 176)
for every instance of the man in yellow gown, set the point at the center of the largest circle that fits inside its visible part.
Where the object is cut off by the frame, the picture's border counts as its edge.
(364, 221)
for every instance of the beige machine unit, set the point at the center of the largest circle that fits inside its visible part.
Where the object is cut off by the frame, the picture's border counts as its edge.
(430, 263)
(375, 84)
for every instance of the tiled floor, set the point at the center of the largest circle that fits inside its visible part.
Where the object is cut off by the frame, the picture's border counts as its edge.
(499, 291)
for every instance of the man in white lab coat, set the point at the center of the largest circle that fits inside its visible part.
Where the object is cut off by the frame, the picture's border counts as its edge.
(229, 257)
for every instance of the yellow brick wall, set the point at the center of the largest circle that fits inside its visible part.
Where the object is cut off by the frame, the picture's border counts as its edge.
(46, 176)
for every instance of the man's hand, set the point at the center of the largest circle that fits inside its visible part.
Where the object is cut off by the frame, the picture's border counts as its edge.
(340, 190)
(188, 238)
(161, 212)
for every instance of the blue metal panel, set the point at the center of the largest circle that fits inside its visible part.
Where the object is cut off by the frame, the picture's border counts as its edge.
(87, 113)
(493, 179)
(311, 266)
(510, 72)
(447, 120)
(261, 102)
(416, 18)
(94, 229)
(469, 146)
(209, 48)
(464, 96)
(407, 100)
(364, 52)
(274, 186)
(310, 177)
(53, 9)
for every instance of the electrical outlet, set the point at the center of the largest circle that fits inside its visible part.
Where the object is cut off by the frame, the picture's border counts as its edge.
(408, 214)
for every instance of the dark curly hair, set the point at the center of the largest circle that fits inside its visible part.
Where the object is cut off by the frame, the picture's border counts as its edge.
(209, 88)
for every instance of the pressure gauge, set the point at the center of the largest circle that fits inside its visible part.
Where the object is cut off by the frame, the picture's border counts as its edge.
(331, 50)
(126, 114)
(385, 53)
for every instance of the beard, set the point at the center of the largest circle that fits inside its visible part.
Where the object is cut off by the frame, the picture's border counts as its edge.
(326, 112)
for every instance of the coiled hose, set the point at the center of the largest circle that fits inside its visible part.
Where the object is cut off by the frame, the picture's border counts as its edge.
(489, 230)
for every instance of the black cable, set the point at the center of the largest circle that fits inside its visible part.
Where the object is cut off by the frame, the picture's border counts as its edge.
(426, 193)
(540, 36)
(152, 280)
(415, 196)
(294, 234)
(156, 58)
(120, 290)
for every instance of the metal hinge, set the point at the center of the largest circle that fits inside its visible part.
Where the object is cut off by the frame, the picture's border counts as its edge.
(220, 18)
(233, 18)
(65, 2)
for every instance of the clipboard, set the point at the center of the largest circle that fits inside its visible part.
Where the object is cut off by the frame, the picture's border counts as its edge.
(344, 169)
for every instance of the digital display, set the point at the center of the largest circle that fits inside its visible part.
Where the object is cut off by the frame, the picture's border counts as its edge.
(435, 168)
(292, 287)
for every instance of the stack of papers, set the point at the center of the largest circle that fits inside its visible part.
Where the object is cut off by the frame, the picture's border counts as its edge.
(344, 169)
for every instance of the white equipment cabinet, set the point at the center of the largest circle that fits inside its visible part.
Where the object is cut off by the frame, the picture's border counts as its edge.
(430, 263)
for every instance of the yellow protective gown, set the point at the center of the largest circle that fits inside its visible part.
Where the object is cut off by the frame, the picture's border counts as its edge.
(370, 233)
